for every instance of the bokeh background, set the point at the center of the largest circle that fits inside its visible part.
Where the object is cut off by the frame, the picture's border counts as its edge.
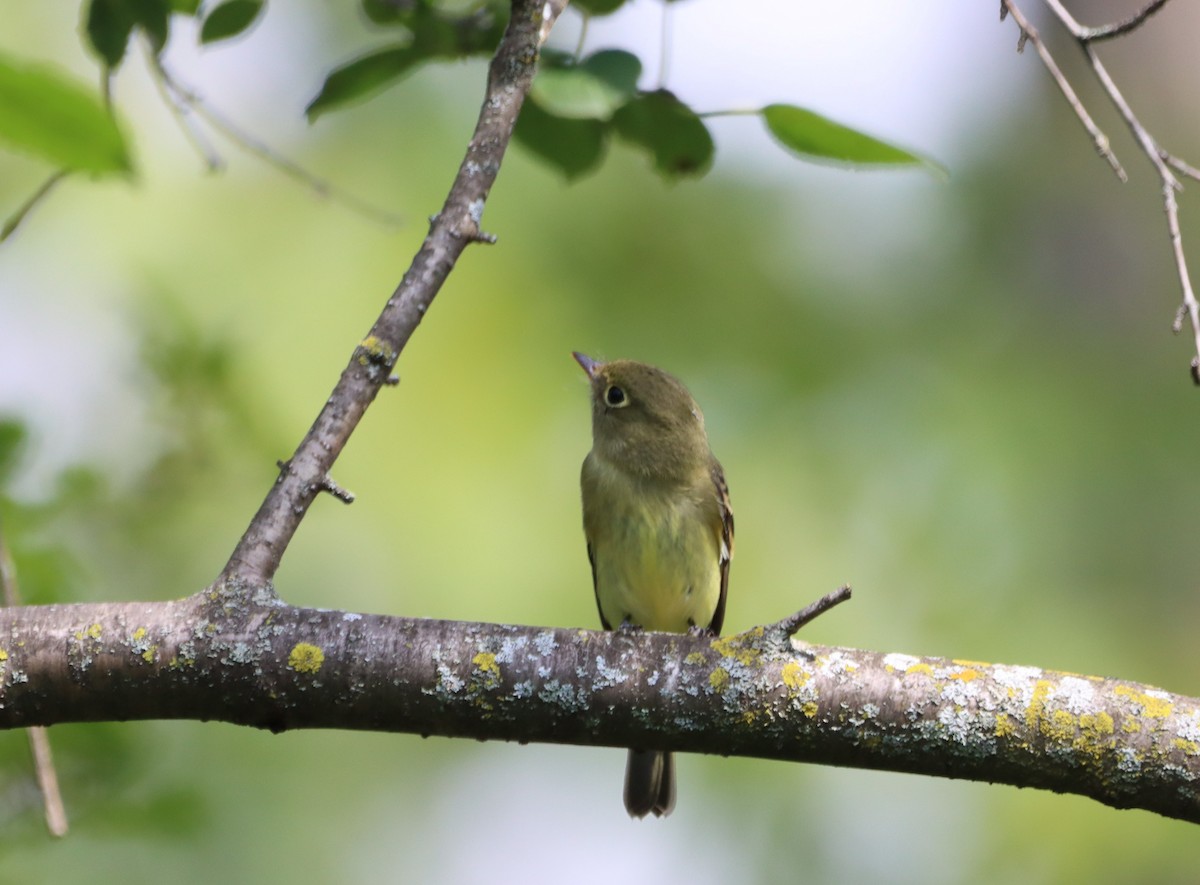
(961, 397)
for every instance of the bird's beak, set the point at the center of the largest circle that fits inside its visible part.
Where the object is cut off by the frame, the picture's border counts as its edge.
(589, 365)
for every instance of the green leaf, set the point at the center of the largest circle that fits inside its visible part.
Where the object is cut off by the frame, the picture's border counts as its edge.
(573, 147)
(55, 118)
(677, 139)
(590, 90)
(185, 7)
(392, 12)
(598, 7)
(12, 444)
(361, 77)
(433, 36)
(109, 24)
(230, 19)
(812, 135)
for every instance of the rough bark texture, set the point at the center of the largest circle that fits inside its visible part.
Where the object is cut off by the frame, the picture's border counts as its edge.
(241, 655)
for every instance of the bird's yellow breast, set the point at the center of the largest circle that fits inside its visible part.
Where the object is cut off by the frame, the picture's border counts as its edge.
(656, 552)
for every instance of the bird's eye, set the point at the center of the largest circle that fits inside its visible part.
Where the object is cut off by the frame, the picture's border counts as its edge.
(615, 397)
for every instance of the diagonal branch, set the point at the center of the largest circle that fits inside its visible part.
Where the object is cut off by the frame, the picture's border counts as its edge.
(306, 473)
(242, 656)
(1029, 34)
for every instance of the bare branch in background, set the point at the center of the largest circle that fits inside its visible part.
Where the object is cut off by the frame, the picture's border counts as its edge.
(1161, 159)
(39, 742)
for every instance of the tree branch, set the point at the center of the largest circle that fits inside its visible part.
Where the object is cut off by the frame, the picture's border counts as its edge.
(306, 473)
(239, 655)
(1119, 29)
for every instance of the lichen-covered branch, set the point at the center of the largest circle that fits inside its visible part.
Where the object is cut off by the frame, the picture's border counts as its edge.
(306, 473)
(240, 655)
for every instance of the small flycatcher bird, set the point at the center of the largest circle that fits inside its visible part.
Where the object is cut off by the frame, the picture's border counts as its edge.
(658, 524)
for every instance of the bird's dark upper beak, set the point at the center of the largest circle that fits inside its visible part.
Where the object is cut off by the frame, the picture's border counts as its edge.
(589, 365)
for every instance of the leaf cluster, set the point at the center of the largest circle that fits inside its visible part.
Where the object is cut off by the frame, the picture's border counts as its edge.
(578, 104)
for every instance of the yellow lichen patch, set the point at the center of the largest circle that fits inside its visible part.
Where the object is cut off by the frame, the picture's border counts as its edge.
(718, 679)
(978, 665)
(149, 654)
(1191, 748)
(1037, 704)
(809, 709)
(965, 675)
(1130, 725)
(922, 668)
(1060, 726)
(486, 661)
(375, 351)
(1095, 733)
(94, 631)
(305, 658)
(729, 647)
(795, 677)
(694, 658)
(139, 633)
(1005, 727)
(3, 655)
(1097, 725)
(1155, 708)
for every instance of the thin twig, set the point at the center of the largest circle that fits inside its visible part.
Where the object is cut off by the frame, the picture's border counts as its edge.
(510, 74)
(1180, 166)
(14, 221)
(792, 623)
(1099, 139)
(343, 495)
(186, 98)
(182, 113)
(664, 46)
(1117, 29)
(39, 742)
(47, 777)
(585, 20)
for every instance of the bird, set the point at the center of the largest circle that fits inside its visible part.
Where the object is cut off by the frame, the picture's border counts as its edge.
(658, 525)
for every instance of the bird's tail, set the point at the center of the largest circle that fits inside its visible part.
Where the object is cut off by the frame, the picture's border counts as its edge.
(649, 783)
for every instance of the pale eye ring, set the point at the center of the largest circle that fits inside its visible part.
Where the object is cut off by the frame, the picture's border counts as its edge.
(615, 397)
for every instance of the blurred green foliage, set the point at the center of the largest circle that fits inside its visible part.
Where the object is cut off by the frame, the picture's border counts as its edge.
(962, 399)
